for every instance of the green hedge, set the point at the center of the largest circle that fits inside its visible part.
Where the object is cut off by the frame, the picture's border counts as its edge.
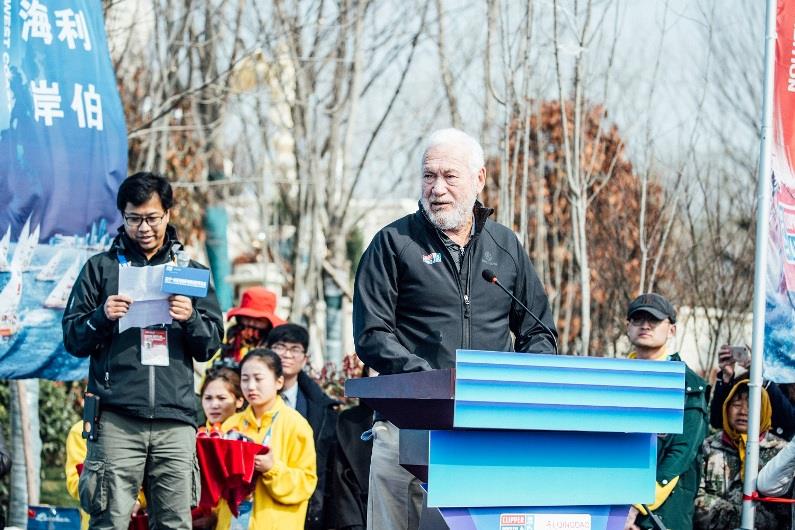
(60, 404)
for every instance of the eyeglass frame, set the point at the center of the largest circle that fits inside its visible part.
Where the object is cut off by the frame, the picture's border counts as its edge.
(276, 346)
(649, 318)
(149, 219)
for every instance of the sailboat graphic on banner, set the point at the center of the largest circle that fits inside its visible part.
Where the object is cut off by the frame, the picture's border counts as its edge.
(60, 294)
(10, 299)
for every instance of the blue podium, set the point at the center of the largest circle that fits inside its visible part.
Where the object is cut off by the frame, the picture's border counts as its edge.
(517, 441)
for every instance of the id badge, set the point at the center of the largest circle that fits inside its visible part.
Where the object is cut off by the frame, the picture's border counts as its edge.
(154, 347)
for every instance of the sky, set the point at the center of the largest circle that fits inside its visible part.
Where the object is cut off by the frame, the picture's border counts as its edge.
(662, 73)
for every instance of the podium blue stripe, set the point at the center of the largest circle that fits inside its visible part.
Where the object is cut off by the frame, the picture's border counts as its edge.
(568, 394)
(485, 415)
(566, 361)
(574, 375)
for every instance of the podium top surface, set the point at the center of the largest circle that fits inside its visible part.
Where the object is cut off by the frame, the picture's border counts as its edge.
(509, 390)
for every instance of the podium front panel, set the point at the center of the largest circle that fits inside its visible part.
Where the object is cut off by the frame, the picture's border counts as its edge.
(476, 468)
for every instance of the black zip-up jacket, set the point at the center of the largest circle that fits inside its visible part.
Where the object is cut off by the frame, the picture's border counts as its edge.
(115, 373)
(322, 417)
(412, 308)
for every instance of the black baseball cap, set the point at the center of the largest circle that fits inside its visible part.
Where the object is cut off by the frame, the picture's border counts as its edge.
(654, 304)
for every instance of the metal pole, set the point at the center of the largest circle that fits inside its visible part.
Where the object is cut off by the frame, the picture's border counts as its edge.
(27, 444)
(760, 269)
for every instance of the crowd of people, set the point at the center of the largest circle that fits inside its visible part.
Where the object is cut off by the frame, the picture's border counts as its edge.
(416, 300)
(258, 389)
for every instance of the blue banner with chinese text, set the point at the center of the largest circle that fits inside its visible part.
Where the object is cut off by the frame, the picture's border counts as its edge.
(63, 154)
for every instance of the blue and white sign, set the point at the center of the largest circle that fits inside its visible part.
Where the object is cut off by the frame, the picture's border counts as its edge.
(63, 154)
(187, 281)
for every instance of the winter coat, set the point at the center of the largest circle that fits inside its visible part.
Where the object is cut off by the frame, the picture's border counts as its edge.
(679, 455)
(319, 410)
(350, 478)
(281, 495)
(115, 373)
(720, 495)
(412, 308)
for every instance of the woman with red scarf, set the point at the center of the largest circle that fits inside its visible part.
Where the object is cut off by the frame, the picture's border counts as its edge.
(720, 495)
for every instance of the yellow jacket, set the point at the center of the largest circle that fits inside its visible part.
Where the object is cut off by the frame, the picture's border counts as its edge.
(75, 454)
(281, 495)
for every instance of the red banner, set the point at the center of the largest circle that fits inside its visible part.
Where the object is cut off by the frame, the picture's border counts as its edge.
(780, 288)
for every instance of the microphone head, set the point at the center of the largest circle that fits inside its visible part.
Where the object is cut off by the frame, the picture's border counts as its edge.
(489, 275)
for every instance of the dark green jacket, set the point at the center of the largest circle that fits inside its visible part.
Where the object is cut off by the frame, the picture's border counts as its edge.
(679, 455)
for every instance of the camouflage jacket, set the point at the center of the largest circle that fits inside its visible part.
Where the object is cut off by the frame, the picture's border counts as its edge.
(720, 494)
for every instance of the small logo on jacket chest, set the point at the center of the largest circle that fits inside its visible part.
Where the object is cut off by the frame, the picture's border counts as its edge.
(433, 257)
(488, 258)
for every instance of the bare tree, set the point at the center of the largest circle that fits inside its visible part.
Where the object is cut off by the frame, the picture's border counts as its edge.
(328, 63)
(444, 68)
(173, 60)
(583, 25)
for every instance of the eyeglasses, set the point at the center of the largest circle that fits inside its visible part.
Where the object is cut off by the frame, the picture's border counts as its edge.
(135, 221)
(642, 319)
(283, 349)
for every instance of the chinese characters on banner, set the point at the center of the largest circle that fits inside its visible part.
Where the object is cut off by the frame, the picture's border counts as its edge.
(63, 153)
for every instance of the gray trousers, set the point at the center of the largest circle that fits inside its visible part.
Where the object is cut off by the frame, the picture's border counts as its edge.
(396, 497)
(130, 452)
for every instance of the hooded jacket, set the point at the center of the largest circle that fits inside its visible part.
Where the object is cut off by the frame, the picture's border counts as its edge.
(115, 372)
(412, 308)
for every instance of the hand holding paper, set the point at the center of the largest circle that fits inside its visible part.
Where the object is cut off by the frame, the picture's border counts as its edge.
(180, 307)
(117, 305)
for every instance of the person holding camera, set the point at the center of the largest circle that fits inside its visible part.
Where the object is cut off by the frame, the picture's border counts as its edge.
(729, 358)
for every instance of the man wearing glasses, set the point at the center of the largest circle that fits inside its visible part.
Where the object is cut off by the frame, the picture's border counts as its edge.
(290, 342)
(147, 426)
(651, 323)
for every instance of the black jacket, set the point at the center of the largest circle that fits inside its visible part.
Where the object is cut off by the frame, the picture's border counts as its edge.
(412, 308)
(350, 477)
(115, 373)
(322, 417)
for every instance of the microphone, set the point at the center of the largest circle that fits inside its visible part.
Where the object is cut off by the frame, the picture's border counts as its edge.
(490, 277)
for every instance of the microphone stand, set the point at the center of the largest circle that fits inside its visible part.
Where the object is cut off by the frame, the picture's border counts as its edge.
(490, 277)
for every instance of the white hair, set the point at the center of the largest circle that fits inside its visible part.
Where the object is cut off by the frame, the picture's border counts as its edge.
(458, 137)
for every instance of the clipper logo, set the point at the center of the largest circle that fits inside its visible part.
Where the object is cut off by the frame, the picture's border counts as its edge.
(433, 257)
(545, 521)
(516, 521)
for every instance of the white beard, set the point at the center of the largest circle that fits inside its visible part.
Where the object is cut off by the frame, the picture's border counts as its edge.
(450, 220)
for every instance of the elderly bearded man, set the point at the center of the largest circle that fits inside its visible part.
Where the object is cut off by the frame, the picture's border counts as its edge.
(419, 296)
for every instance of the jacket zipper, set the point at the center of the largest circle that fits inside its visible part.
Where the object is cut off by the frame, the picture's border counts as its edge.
(466, 324)
(106, 384)
(467, 331)
(152, 391)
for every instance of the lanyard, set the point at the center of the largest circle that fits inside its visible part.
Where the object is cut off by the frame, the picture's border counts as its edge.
(267, 440)
(122, 260)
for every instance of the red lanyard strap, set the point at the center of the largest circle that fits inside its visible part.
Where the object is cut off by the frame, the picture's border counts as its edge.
(756, 498)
